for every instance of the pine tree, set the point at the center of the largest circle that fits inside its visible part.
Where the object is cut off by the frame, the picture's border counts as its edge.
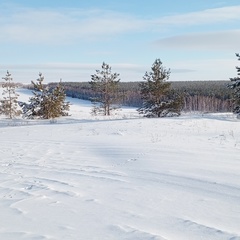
(46, 104)
(235, 86)
(36, 107)
(57, 105)
(105, 86)
(158, 99)
(9, 104)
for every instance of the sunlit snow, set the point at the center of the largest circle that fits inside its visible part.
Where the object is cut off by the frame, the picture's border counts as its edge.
(122, 177)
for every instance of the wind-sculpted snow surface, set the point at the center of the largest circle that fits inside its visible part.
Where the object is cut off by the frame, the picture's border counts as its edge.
(120, 178)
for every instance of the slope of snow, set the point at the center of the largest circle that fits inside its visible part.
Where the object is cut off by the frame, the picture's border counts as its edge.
(121, 177)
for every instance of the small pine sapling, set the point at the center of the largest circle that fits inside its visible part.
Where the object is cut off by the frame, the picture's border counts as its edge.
(9, 104)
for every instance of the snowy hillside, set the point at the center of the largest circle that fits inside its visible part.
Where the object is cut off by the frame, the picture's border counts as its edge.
(120, 178)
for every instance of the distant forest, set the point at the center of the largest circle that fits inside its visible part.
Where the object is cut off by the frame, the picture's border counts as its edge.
(200, 96)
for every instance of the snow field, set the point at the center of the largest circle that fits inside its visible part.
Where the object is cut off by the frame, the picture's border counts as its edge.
(122, 177)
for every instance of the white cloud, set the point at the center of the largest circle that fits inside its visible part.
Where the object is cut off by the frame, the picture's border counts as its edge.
(224, 40)
(67, 25)
(49, 26)
(53, 26)
(208, 16)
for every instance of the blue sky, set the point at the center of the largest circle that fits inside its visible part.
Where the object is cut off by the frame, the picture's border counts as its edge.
(69, 39)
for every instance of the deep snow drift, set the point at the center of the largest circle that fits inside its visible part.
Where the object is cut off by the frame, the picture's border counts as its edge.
(123, 177)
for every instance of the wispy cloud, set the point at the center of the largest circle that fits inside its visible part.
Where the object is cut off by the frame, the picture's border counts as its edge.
(208, 16)
(31, 25)
(67, 25)
(224, 40)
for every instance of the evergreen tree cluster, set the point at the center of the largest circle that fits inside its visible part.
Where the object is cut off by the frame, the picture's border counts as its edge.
(155, 96)
(44, 104)
(200, 96)
(107, 93)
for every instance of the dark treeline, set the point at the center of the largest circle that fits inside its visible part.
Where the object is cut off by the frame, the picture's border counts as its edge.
(203, 96)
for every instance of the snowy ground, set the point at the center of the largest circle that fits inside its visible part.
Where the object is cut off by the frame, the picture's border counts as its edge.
(120, 178)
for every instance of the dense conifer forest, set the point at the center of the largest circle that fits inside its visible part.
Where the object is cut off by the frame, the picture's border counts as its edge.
(202, 96)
